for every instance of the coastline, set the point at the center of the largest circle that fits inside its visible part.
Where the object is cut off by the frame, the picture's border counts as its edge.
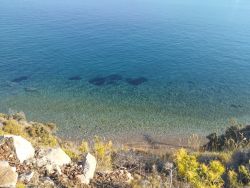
(42, 159)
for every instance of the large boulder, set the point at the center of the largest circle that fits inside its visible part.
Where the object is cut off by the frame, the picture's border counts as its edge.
(54, 156)
(23, 148)
(88, 169)
(8, 175)
(52, 160)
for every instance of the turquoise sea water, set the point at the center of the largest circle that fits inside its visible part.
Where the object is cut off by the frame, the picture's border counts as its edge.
(117, 67)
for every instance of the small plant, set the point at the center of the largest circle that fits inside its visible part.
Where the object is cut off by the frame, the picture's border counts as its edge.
(244, 175)
(233, 179)
(20, 185)
(84, 147)
(1, 132)
(73, 155)
(194, 142)
(103, 152)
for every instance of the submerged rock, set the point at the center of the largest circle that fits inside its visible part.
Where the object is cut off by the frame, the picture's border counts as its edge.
(98, 81)
(136, 81)
(108, 80)
(75, 78)
(20, 79)
(23, 148)
(114, 77)
(8, 175)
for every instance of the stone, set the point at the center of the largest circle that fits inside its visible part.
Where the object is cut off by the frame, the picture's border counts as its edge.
(53, 156)
(23, 148)
(26, 178)
(8, 175)
(88, 169)
(47, 182)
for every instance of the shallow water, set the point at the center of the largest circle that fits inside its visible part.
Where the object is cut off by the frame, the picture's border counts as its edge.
(122, 67)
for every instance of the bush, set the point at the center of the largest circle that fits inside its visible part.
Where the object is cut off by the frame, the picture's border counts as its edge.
(41, 135)
(235, 137)
(244, 175)
(73, 155)
(232, 179)
(198, 174)
(13, 127)
(84, 147)
(103, 153)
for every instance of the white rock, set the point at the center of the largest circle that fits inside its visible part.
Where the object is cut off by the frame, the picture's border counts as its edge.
(55, 156)
(23, 148)
(26, 177)
(47, 182)
(88, 169)
(51, 168)
(8, 175)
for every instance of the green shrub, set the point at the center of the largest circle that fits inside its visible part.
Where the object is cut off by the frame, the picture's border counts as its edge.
(198, 174)
(20, 185)
(233, 179)
(244, 175)
(235, 137)
(73, 155)
(103, 152)
(84, 147)
(13, 127)
(41, 135)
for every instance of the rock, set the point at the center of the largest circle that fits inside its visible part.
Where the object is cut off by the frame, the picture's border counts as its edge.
(53, 168)
(46, 182)
(23, 148)
(53, 156)
(81, 178)
(88, 169)
(26, 177)
(8, 175)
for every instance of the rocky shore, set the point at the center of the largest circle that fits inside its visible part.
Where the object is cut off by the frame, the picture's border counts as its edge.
(31, 155)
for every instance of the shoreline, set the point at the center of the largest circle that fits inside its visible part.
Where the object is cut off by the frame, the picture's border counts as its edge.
(157, 144)
(127, 162)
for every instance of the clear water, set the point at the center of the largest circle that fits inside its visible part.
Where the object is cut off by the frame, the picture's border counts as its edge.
(193, 54)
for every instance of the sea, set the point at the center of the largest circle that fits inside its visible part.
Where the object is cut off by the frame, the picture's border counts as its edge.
(118, 68)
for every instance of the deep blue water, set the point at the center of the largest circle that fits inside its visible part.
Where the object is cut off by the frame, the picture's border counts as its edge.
(117, 67)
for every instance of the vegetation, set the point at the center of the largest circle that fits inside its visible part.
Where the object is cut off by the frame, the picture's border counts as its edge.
(13, 127)
(41, 135)
(198, 174)
(103, 153)
(237, 136)
(223, 162)
(37, 133)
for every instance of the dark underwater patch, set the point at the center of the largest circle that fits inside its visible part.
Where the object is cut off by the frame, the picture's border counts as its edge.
(108, 80)
(20, 79)
(236, 106)
(112, 79)
(75, 78)
(136, 81)
(98, 81)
